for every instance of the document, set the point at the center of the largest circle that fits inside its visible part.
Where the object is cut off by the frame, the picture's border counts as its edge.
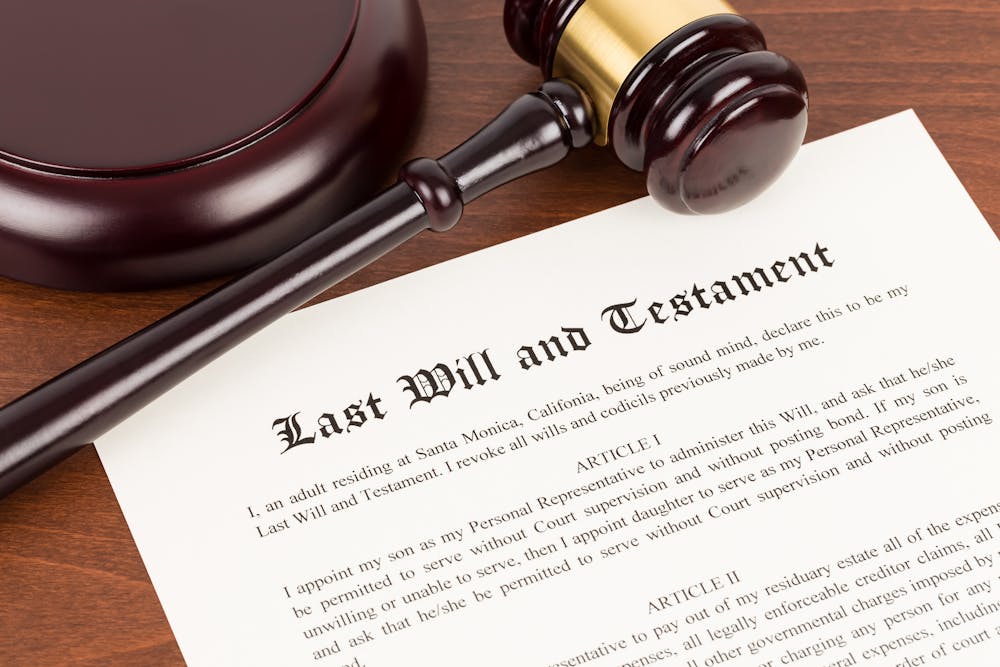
(764, 438)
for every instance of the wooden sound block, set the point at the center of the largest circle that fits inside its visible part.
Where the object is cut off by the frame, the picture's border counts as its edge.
(144, 144)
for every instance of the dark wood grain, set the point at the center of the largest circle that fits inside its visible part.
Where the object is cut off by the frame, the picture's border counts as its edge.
(45, 426)
(150, 191)
(73, 587)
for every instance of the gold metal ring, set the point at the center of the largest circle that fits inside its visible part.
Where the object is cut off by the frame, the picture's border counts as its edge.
(606, 39)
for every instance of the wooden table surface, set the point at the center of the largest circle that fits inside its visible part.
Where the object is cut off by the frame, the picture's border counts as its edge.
(73, 589)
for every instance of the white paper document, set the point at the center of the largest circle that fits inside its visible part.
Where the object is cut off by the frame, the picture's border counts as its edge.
(764, 438)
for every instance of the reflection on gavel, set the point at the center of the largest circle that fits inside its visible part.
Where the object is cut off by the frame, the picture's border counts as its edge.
(683, 90)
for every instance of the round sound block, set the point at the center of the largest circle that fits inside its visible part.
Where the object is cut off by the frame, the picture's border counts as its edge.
(144, 144)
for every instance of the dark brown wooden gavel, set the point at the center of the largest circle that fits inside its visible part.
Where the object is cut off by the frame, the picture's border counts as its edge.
(683, 90)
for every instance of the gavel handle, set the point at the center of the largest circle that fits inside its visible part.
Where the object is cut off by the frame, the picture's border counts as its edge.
(51, 422)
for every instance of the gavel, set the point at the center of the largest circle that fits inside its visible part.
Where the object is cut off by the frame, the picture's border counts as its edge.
(682, 90)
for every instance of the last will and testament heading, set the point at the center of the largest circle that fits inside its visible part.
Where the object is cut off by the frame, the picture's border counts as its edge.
(476, 369)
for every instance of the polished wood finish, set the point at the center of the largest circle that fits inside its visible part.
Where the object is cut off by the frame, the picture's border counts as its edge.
(153, 154)
(59, 418)
(146, 86)
(704, 144)
(73, 587)
(718, 119)
(533, 28)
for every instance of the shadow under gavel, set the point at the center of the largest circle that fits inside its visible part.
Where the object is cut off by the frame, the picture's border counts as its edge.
(698, 104)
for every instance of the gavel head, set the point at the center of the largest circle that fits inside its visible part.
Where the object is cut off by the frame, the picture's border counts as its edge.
(683, 90)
